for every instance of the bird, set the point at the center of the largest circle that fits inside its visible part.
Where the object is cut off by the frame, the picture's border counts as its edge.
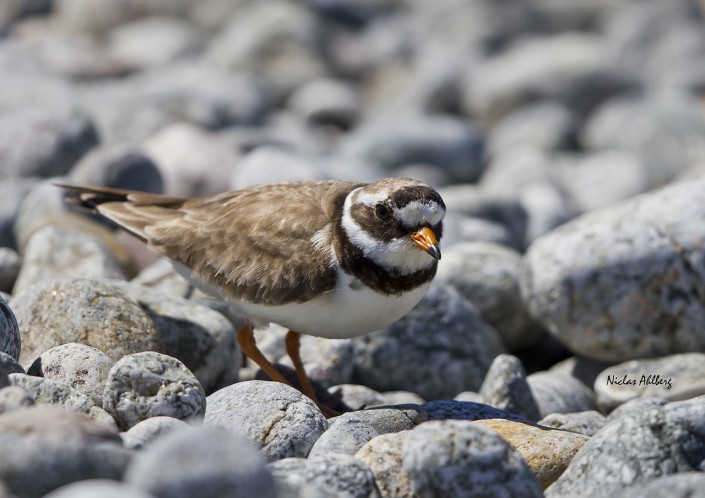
(334, 259)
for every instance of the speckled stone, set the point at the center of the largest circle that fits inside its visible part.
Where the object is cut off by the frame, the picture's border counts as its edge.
(681, 485)
(548, 452)
(383, 455)
(14, 397)
(461, 459)
(588, 422)
(337, 474)
(206, 462)
(57, 312)
(505, 387)
(149, 384)
(82, 367)
(465, 410)
(276, 418)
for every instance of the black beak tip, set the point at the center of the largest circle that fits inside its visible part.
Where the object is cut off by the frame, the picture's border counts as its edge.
(435, 252)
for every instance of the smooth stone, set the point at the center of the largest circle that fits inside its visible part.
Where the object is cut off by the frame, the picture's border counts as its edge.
(10, 263)
(55, 312)
(559, 393)
(488, 276)
(681, 485)
(58, 393)
(327, 361)
(635, 447)
(338, 475)
(440, 348)
(125, 165)
(44, 447)
(13, 190)
(92, 16)
(14, 397)
(588, 422)
(636, 405)
(54, 252)
(583, 369)
(10, 337)
(274, 164)
(206, 462)
(505, 387)
(673, 377)
(43, 142)
(203, 339)
(145, 433)
(402, 398)
(81, 367)
(149, 384)
(326, 102)
(383, 454)
(98, 488)
(547, 452)
(357, 397)
(606, 283)
(471, 396)
(461, 459)
(279, 420)
(350, 431)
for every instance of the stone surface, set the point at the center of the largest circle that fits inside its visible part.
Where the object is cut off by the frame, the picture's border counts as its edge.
(587, 422)
(442, 347)
(559, 393)
(681, 485)
(383, 455)
(465, 410)
(459, 458)
(98, 488)
(505, 387)
(10, 263)
(79, 366)
(149, 384)
(144, 434)
(56, 312)
(636, 447)
(10, 338)
(673, 377)
(13, 397)
(625, 281)
(336, 475)
(276, 418)
(206, 462)
(358, 397)
(329, 362)
(326, 102)
(547, 452)
(12, 191)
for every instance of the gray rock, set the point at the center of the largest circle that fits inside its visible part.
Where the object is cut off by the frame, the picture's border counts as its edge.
(42, 142)
(451, 145)
(636, 405)
(588, 422)
(98, 488)
(55, 251)
(681, 485)
(357, 397)
(402, 398)
(205, 462)
(488, 276)
(12, 193)
(123, 166)
(337, 475)
(607, 284)
(57, 393)
(149, 384)
(648, 125)
(144, 434)
(349, 432)
(505, 387)
(91, 312)
(274, 164)
(471, 396)
(559, 393)
(583, 369)
(442, 347)
(13, 397)
(203, 339)
(383, 454)
(636, 447)
(10, 338)
(45, 447)
(672, 377)
(79, 366)
(465, 410)
(326, 102)
(327, 361)
(41, 205)
(10, 263)
(458, 458)
(91, 16)
(276, 418)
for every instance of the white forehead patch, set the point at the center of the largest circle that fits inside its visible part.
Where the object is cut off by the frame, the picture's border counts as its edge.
(419, 213)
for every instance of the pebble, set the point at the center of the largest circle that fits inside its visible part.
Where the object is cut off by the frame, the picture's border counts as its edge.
(81, 367)
(672, 377)
(326, 102)
(635, 447)
(98, 488)
(10, 263)
(335, 475)
(329, 362)
(505, 387)
(206, 462)
(681, 485)
(10, 337)
(383, 454)
(623, 282)
(459, 458)
(54, 312)
(588, 422)
(559, 393)
(279, 420)
(421, 356)
(148, 384)
(488, 276)
(13, 397)
(12, 192)
(145, 433)
(547, 452)
(357, 397)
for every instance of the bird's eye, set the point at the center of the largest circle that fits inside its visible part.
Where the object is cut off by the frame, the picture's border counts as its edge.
(382, 212)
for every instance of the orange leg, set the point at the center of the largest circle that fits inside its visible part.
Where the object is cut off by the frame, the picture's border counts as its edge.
(246, 339)
(293, 345)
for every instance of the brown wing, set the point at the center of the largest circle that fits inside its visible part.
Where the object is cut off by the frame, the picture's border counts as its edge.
(267, 244)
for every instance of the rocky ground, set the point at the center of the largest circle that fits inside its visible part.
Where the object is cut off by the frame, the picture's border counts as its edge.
(561, 350)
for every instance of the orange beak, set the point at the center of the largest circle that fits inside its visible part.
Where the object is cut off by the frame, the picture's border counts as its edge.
(425, 240)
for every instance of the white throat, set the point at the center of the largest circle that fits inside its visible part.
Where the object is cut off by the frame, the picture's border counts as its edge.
(399, 254)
